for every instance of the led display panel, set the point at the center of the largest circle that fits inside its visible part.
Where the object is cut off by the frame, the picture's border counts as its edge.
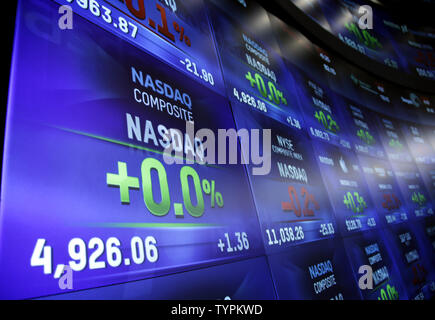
(199, 149)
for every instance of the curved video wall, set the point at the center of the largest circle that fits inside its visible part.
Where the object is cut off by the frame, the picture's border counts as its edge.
(290, 171)
(402, 43)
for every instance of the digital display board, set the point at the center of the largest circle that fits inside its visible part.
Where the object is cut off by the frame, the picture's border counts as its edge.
(384, 190)
(415, 46)
(411, 260)
(399, 44)
(244, 280)
(413, 190)
(146, 209)
(343, 18)
(314, 271)
(392, 139)
(370, 248)
(201, 149)
(361, 127)
(353, 207)
(176, 32)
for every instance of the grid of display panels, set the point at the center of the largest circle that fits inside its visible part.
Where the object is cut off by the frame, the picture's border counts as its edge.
(86, 183)
(400, 43)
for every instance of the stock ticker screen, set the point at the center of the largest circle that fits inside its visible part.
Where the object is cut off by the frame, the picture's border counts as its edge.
(331, 168)
(397, 43)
